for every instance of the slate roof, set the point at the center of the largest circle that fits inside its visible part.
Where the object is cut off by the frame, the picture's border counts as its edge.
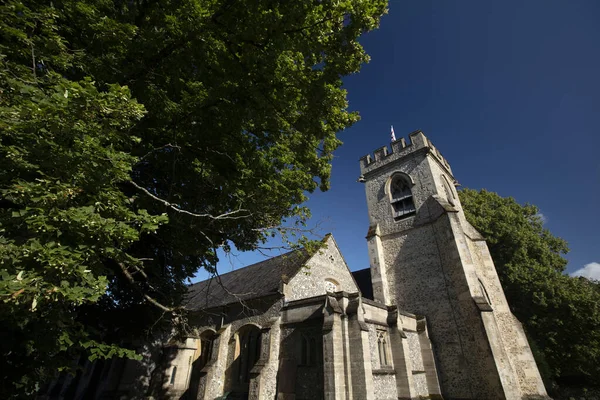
(363, 280)
(251, 282)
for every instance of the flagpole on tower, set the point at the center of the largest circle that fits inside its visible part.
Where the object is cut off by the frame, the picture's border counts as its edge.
(393, 134)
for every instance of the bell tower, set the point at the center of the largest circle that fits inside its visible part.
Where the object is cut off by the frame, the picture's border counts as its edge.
(428, 260)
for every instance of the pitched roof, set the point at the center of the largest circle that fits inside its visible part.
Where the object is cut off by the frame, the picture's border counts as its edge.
(256, 280)
(363, 280)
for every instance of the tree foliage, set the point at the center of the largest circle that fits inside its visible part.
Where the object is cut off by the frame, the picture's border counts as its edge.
(136, 139)
(561, 314)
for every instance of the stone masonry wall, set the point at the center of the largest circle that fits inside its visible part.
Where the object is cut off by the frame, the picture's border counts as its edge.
(385, 387)
(327, 263)
(375, 364)
(416, 357)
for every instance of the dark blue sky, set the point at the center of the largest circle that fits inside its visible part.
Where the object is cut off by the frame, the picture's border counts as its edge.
(508, 91)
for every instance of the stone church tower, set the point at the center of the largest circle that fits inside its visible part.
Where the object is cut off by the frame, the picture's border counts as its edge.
(428, 260)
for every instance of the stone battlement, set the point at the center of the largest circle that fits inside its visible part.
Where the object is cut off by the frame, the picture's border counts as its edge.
(400, 148)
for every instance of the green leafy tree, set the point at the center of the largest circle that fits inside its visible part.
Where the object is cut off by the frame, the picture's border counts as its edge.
(561, 314)
(136, 139)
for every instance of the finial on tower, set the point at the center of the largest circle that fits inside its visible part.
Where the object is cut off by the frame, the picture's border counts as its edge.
(393, 134)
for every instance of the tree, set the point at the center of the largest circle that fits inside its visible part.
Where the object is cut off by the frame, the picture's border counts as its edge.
(136, 139)
(561, 314)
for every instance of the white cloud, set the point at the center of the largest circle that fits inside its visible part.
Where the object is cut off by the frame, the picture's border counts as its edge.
(542, 217)
(590, 271)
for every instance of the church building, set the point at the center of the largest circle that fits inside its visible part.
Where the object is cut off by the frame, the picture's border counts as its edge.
(427, 320)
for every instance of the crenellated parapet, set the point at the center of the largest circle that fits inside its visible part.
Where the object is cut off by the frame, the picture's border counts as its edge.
(399, 149)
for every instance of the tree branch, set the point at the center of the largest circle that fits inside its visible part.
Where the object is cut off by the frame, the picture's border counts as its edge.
(168, 145)
(226, 215)
(33, 62)
(146, 296)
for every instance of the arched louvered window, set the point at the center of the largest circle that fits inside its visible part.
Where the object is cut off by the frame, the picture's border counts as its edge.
(401, 198)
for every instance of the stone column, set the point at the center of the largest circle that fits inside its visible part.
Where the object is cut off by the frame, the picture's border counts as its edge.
(401, 356)
(333, 351)
(360, 353)
(379, 279)
(433, 383)
(213, 381)
(264, 373)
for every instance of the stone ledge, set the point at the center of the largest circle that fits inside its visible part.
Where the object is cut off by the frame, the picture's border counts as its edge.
(384, 371)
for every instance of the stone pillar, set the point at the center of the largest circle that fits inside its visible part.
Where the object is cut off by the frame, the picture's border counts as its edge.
(333, 351)
(433, 383)
(262, 375)
(405, 386)
(213, 381)
(360, 353)
(379, 279)
(348, 381)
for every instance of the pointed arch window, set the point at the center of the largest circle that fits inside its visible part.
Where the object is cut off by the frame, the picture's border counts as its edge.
(401, 198)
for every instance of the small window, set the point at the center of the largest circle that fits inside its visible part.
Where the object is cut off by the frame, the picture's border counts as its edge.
(172, 381)
(401, 198)
(331, 286)
(382, 348)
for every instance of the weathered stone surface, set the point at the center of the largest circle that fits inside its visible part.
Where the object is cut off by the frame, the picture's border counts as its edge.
(326, 264)
(385, 387)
